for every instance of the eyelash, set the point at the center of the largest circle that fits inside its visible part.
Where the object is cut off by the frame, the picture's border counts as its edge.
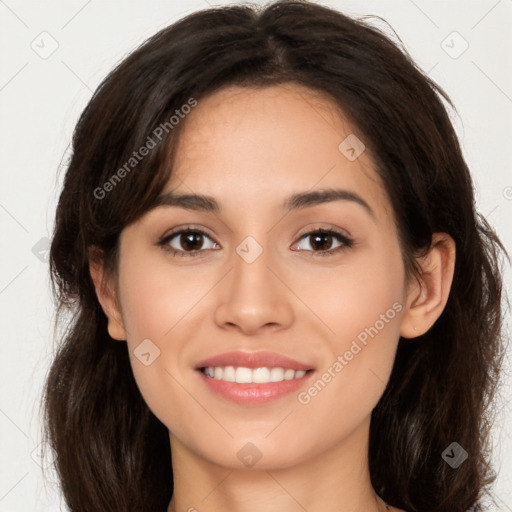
(346, 241)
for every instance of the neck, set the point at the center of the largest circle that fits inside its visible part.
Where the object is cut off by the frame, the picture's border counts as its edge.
(334, 481)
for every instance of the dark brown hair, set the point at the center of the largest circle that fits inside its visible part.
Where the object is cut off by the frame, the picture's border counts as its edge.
(112, 453)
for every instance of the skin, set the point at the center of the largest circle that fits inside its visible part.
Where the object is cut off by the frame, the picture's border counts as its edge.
(251, 149)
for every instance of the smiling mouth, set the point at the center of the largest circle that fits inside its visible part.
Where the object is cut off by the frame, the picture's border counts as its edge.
(244, 375)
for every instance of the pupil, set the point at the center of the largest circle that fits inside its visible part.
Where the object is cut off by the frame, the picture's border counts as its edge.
(189, 237)
(317, 237)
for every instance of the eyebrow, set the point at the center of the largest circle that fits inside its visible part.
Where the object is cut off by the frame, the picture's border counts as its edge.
(298, 201)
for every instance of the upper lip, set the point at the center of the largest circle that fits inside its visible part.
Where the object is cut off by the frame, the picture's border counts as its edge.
(252, 360)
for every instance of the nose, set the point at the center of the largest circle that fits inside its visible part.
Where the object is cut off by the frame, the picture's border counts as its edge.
(254, 297)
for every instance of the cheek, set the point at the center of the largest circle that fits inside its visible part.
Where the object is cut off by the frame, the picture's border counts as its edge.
(360, 306)
(354, 297)
(370, 303)
(156, 296)
(156, 303)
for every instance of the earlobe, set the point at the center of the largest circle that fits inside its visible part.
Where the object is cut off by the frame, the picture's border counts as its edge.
(107, 298)
(427, 298)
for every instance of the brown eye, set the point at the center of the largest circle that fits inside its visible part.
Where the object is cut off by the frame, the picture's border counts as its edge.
(191, 241)
(187, 242)
(321, 242)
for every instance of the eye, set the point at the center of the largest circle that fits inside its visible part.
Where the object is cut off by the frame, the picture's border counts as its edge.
(189, 242)
(186, 242)
(321, 241)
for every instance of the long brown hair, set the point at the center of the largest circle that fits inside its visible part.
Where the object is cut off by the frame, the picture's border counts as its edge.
(112, 453)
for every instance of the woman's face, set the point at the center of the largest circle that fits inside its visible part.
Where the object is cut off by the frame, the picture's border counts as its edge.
(256, 285)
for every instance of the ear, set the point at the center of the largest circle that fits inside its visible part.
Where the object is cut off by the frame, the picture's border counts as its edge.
(427, 296)
(106, 295)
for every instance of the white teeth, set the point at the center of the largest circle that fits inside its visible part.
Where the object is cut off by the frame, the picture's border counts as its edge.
(276, 375)
(289, 374)
(261, 375)
(244, 375)
(228, 374)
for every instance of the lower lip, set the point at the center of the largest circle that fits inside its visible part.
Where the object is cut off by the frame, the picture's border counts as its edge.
(253, 394)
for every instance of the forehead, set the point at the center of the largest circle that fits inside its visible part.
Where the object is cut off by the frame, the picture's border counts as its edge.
(255, 144)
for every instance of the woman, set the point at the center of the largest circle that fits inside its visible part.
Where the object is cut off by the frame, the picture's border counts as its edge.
(284, 298)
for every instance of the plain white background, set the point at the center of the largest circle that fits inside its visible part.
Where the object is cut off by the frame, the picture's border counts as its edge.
(464, 45)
